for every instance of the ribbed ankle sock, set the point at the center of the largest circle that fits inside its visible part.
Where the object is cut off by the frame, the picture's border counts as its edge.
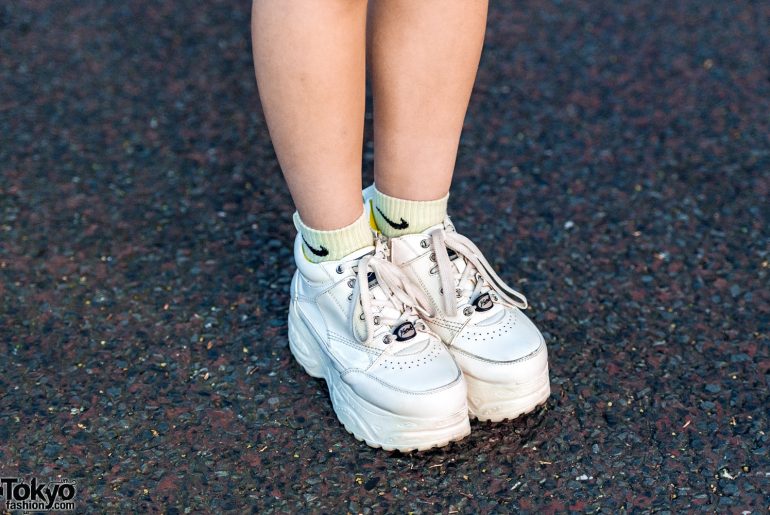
(320, 246)
(396, 217)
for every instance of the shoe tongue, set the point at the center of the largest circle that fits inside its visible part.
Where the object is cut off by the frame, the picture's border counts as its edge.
(358, 254)
(459, 264)
(402, 332)
(376, 292)
(447, 225)
(433, 228)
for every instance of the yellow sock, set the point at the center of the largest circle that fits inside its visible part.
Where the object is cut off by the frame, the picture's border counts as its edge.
(332, 245)
(396, 217)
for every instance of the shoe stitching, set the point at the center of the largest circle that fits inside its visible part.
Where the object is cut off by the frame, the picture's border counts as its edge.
(412, 260)
(333, 298)
(446, 324)
(535, 353)
(509, 321)
(347, 341)
(389, 386)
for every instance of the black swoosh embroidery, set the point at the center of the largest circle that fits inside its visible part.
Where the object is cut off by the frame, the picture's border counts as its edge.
(321, 253)
(398, 226)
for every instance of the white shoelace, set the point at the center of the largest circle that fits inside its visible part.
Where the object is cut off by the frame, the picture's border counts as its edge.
(474, 262)
(404, 299)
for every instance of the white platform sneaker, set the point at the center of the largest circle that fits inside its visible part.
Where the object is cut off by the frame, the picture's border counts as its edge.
(355, 323)
(502, 354)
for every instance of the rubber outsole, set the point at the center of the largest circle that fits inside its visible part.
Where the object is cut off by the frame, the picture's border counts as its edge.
(508, 418)
(499, 402)
(407, 450)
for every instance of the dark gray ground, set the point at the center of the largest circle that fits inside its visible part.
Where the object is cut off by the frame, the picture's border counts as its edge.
(614, 167)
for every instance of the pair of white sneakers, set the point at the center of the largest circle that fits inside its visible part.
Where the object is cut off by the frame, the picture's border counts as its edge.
(413, 336)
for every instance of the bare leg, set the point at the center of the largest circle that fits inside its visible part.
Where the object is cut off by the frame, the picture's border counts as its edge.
(424, 57)
(310, 61)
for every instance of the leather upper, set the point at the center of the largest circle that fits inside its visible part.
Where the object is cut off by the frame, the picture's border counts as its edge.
(412, 377)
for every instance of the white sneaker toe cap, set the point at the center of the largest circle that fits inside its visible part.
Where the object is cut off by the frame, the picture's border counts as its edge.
(423, 383)
(510, 349)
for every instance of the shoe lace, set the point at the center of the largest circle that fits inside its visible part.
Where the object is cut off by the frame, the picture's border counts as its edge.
(401, 299)
(476, 267)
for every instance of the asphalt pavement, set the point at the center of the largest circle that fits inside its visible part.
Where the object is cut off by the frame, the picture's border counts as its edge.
(615, 167)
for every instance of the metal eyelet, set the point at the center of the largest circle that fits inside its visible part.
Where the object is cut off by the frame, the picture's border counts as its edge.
(376, 320)
(361, 317)
(350, 297)
(468, 311)
(351, 282)
(458, 293)
(433, 256)
(434, 270)
(425, 244)
(339, 269)
(387, 339)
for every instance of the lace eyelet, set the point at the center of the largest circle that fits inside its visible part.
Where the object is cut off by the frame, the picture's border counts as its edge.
(424, 244)
(339, 269)
(468, 311)
(434, 270)
(458, 293)
(351, 282)
(376, 320)
(361, 317)
(433, 256)
(387, 339)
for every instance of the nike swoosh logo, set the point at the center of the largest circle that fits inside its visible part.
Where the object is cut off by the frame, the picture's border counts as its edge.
(320, 253)
(398, 226)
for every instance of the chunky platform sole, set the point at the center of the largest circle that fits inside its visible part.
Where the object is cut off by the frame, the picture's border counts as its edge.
(365, 421)
(496, 402)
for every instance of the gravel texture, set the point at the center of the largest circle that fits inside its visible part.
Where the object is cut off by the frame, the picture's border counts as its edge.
(615, 167)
